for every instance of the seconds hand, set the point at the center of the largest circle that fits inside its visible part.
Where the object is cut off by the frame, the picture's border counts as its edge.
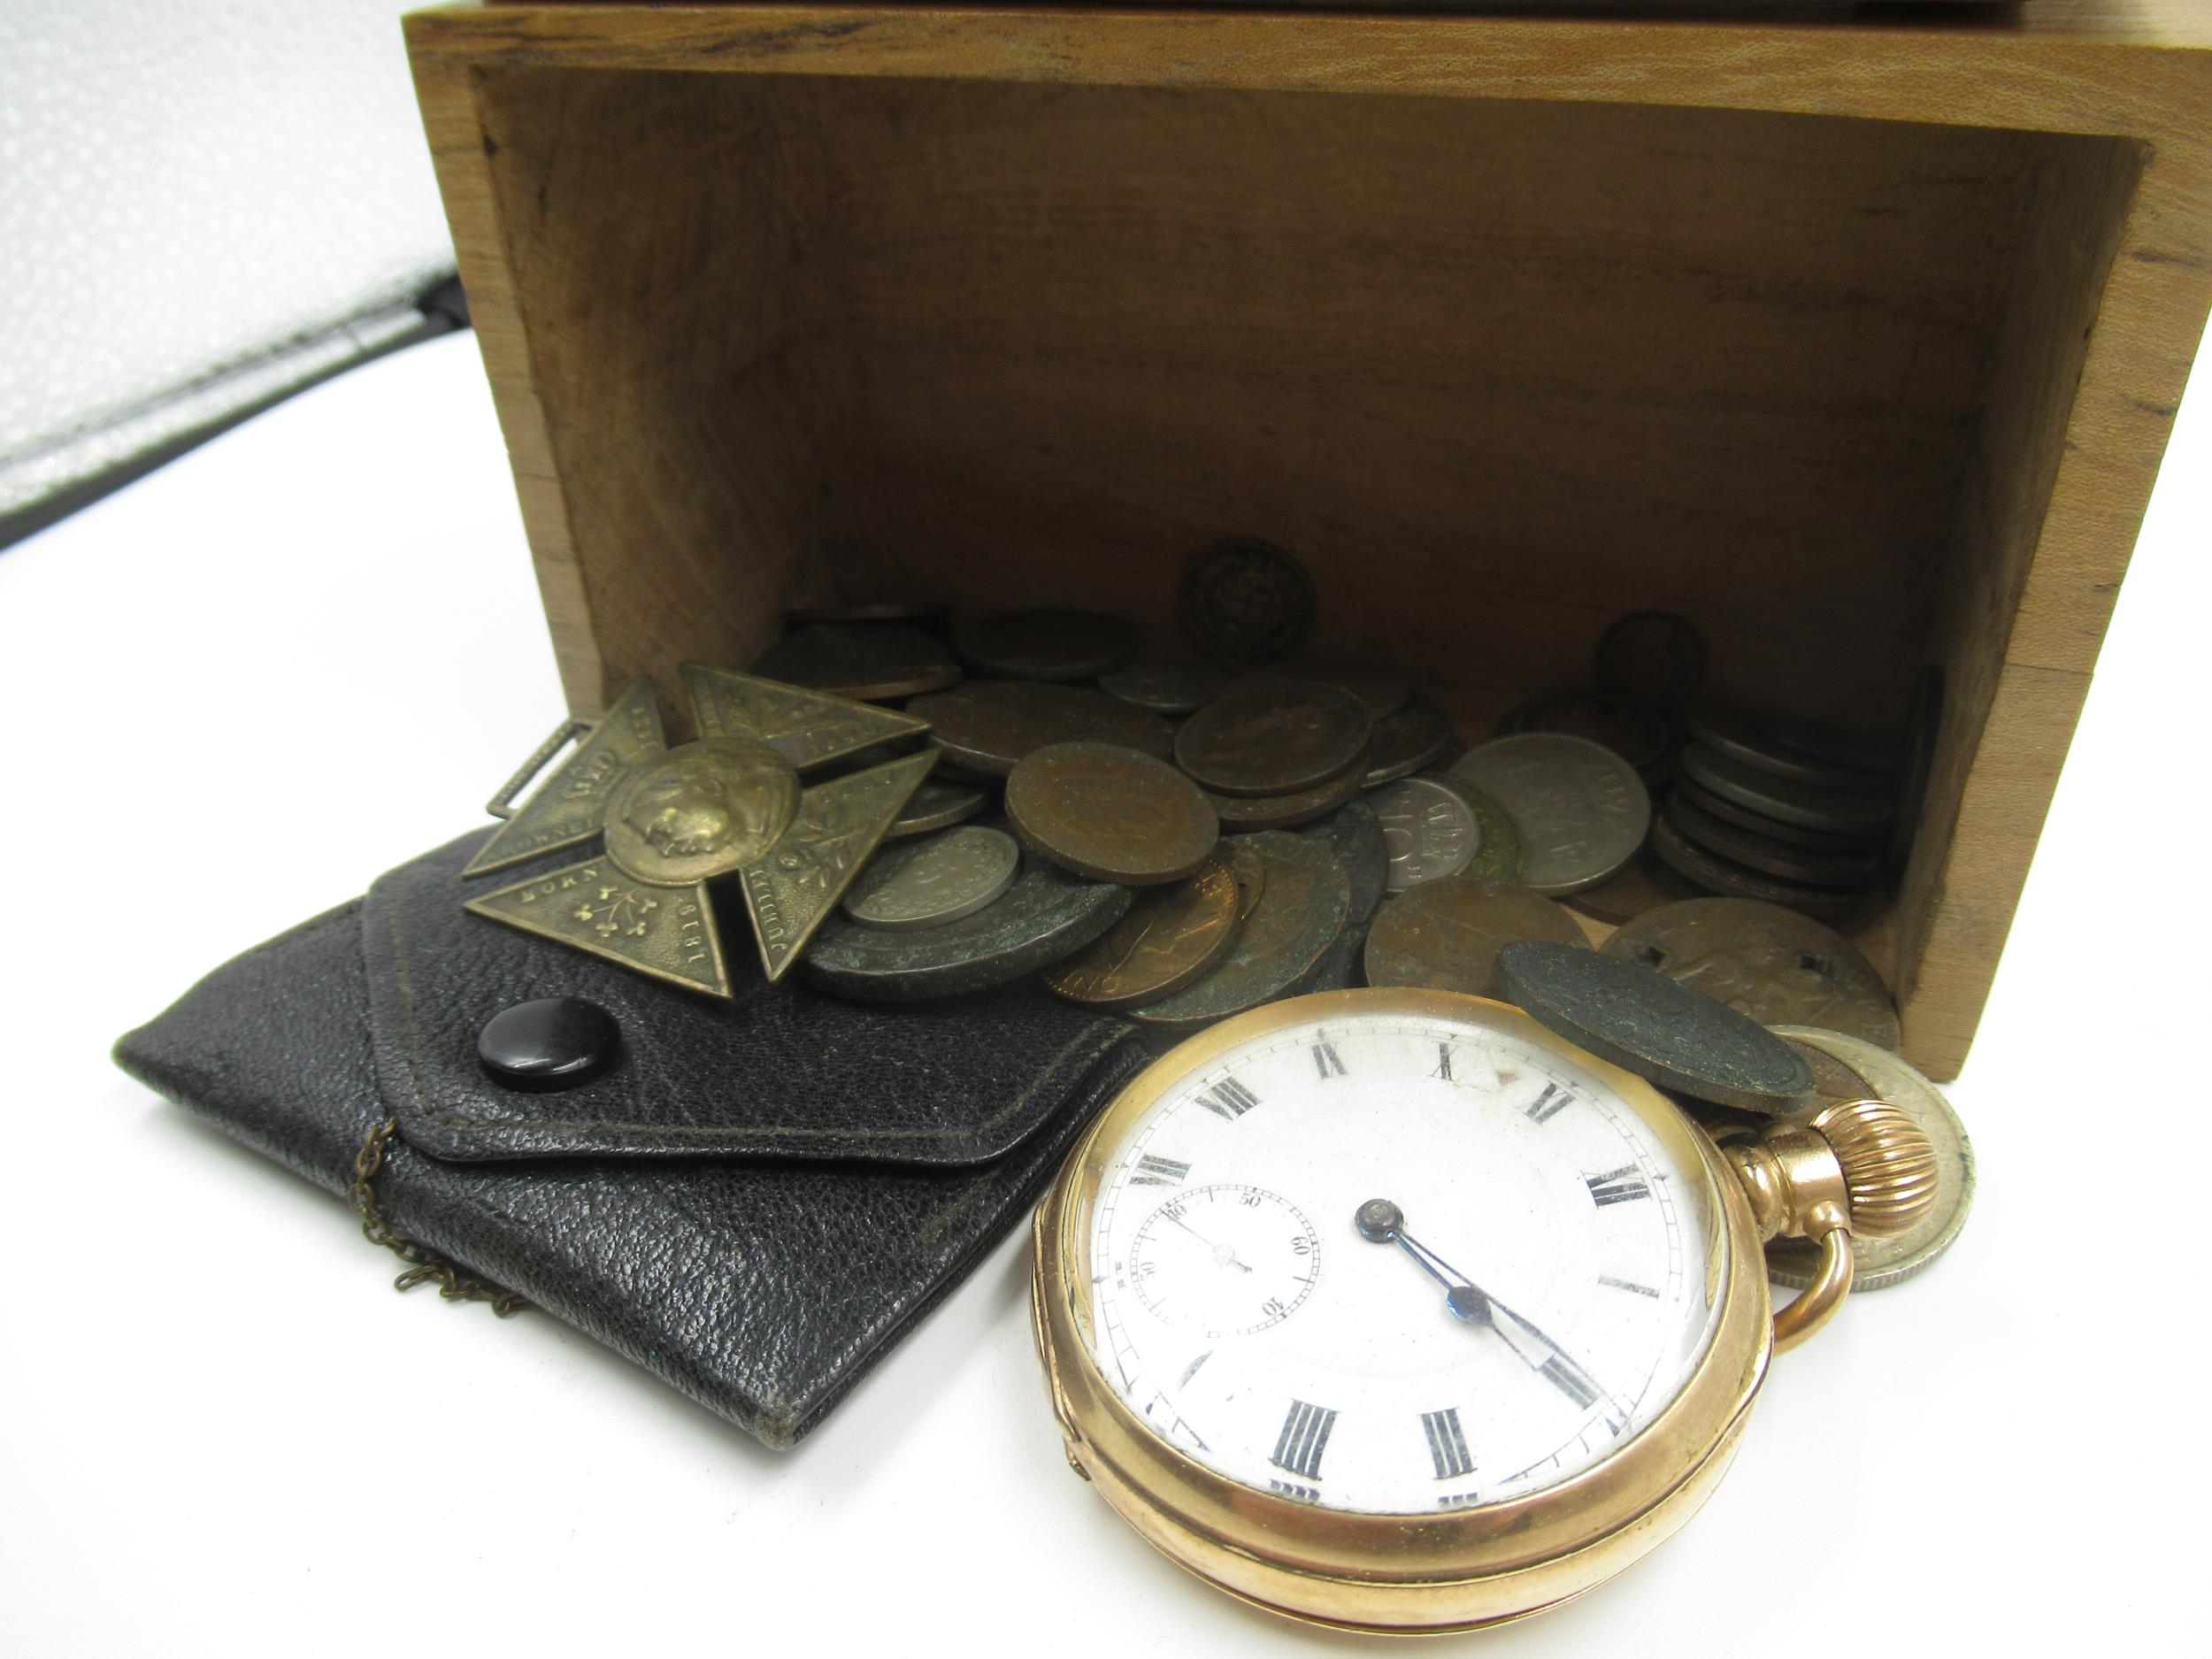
(1224, 1254)
(1381, 1222)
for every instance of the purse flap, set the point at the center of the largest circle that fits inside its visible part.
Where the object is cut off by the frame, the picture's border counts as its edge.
(780, 1071)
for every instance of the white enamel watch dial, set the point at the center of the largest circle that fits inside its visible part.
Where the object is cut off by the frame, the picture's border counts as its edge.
(1398, 1264)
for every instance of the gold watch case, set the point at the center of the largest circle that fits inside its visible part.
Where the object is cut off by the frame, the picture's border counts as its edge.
(1401, 1573)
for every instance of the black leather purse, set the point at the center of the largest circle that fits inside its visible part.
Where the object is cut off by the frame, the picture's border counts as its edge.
(754, 1201)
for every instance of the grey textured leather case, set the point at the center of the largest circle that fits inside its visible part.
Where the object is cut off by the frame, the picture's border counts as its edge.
(754, 1204)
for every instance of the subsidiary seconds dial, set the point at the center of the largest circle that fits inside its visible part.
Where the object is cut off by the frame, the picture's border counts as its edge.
(1224, 1260)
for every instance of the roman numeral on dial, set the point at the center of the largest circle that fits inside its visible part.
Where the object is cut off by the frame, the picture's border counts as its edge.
(1228, 1099)
(1617, 1186)
(1448, 1447)
(1549, 1105)
(1443, 1062)
(1153, 1171)
(1305, 1436)
(1569, 1380)
(1326, 1060)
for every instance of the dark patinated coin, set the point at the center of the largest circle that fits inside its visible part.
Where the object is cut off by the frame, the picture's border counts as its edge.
(1687, 788)
(1111, 814)
(1248, 601)
(1166, 685)
(1833, 811)
(1498, 848)
(1241, 814)
(936, 806)
(1376, 687)
(1046, 916)
(1643, 886)
(1355, 835)
(1717, 874)
(1733, 733)
(1301, 909)
(861, 660)
(1653, 655)
(1273, 738)
(1768, 855)
(1446, 935)
(1639, 1018)
(1417, 736)
(1056, 645)
(1775, 966)
(1635, 730)
(987, 726)
(1171, 937)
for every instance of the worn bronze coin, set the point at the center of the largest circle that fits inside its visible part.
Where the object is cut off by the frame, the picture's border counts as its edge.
(1720, 875)
(1376, 687)
(1165, 684)
(987, 726)
(1275, 738)
(1303, 908)
(1248, 601)
(1775, 966)
(1849, 1068)
(1429, 829)
(1651, 655)
(1417, 736)
(1734, 734)
(1833, 811)
(1171, 937)
(1635, 730)
(1241, 814)
(1637, 1018)
(1498, 843)
(1766, 854)
(1447, 934)
(1053, 645)
(861, 660)
(1047, 915)
(1250, 870)
(1581, 810)
(940, 879)
(936, 806)
(1687, 788)
(1642, 886)
(1355, 835)
(1111, 814)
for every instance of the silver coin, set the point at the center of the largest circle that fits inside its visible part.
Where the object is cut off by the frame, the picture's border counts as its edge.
(936, 806)
(929, 883)
(1874, 1074)
(1429, 831)
(1581, 810)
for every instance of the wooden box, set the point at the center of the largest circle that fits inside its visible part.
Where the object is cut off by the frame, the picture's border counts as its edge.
(1856, 344)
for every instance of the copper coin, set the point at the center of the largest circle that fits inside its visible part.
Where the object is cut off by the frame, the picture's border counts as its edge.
(1769, 855)
(1643, 886)
(1273, 738)
(1250, 870)
(1735, 735)
(1301, 911)
(1831, 811)
(1498, 844)
(1242, 813)
(987, 726)
(1355, 835)
(1637, 1018)
(1248, 601)
(1171, 936)
(1111, 814)
(861, 660)
(1417, 735)
(1379, 689)
(1056, 645)
(1635, 730)
(1581, 810)
(1775, 966)
(1687, 788)
(1446, 935)
(1651, 655)
(1847, 1068)
(1717, 874)
(1166, 685)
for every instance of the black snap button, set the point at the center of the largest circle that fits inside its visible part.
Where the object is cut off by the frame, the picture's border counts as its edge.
(554, 1043)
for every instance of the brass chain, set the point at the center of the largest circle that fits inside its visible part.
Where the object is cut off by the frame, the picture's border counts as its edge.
(426, 1266)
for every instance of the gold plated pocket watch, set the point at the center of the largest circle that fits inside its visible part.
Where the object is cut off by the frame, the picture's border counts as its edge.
(1391, 1310)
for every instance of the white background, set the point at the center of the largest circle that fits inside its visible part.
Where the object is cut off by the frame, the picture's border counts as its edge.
(241, 688)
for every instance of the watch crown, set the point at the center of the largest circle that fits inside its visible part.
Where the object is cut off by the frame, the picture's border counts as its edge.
(1889, 1165)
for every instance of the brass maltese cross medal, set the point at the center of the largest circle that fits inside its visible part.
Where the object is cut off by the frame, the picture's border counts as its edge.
(675, 821)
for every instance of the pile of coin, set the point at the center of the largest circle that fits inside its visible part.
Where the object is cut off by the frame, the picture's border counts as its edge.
(1183, 835)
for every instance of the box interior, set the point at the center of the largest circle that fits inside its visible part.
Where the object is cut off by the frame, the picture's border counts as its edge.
(1497, 371)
